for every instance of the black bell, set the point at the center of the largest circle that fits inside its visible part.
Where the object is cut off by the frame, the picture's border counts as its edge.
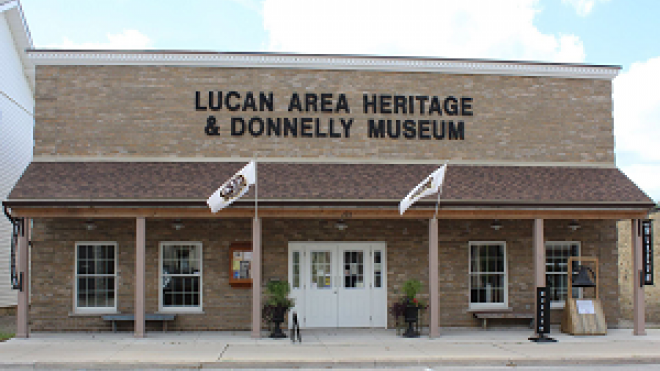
(581, 279)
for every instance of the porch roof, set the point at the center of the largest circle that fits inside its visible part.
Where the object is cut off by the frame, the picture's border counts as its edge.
(319, 184)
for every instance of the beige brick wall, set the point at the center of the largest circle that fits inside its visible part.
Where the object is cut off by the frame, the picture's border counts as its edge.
(133, 111)
(651, 293)
(227, 308)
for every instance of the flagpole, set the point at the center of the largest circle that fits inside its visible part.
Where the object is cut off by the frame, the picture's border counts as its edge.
(437, 203)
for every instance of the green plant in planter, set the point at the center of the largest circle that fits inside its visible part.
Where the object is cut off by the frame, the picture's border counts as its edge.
(411, 288)
(408, 306)
(276, 306)
(278, 292)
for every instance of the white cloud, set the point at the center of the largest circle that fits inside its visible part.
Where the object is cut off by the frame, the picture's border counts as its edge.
(637, 110)
(128, 39)
(455, 29)
(637, 123)
(582, 7)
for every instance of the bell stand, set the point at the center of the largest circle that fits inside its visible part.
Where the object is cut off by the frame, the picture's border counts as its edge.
(589, 322)
(569, 293)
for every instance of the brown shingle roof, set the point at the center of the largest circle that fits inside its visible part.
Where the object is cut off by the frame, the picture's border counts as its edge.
(196, 181)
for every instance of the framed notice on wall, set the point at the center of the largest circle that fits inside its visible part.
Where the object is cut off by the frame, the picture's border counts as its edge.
(240, 264)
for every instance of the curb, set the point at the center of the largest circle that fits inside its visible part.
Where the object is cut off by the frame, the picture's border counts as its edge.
(513, 362)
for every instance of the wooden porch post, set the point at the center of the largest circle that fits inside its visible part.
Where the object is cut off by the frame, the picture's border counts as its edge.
(256, 278)
(639, 306)
(434, 304)
(23, 310)
(539, 263)
(139, 276)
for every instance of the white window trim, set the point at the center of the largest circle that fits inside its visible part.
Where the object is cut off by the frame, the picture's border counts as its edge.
(559, 304)
(160, 279)
(486, 306)
(95, 310)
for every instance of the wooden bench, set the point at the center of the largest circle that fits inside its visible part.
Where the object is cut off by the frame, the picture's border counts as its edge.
(485, 316)
(131, 317)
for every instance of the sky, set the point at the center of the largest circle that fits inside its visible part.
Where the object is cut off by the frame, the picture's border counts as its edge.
(602, 32)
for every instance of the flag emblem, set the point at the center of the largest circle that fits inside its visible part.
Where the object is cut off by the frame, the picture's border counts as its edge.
(427, 187)
(234, 188)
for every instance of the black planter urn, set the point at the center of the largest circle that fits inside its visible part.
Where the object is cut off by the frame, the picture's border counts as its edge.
(278, 318)
(411, 315)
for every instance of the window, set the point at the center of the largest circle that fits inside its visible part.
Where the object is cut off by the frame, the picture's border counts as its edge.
(488, 280)
(181, 276)
(296, 270)
(556, 270)
(96, 273)
(353, 269)
(321, 270)
(378, 268)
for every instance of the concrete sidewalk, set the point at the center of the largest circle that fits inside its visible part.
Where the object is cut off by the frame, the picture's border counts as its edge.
(354, 348)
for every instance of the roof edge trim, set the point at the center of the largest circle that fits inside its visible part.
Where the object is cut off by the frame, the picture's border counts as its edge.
(320, 62)
(317, 160)
(269, 203)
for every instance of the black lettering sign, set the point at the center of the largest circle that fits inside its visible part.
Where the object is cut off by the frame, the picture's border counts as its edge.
(379, 127)
(647, 251)
(542, 311)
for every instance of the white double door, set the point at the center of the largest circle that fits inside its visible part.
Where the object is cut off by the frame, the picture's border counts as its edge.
(339, 284)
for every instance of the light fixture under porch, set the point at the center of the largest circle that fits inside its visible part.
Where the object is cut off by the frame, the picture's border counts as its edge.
(178, 225)
(341, 225)
(90, 225)
(574, 225)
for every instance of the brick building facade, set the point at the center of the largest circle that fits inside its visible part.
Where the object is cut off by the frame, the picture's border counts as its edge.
(128, 146)
(652, 293)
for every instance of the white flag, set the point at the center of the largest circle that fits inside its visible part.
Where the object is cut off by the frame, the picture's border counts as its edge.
(233, 189)
(427, 187)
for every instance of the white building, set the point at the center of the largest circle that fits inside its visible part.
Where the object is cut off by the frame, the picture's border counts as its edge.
(16, 121)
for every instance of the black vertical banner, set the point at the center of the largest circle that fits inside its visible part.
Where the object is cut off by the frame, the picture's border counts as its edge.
(542, 311)
(647, 251)
(17, 227)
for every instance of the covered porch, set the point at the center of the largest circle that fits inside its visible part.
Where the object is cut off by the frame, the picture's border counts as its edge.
(303, 202)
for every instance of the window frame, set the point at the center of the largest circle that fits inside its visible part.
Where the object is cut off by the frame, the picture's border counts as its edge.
(300, 268)
(383, 267)
(487, 306)
(198, 309)
(94, 310)
(560, 304)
